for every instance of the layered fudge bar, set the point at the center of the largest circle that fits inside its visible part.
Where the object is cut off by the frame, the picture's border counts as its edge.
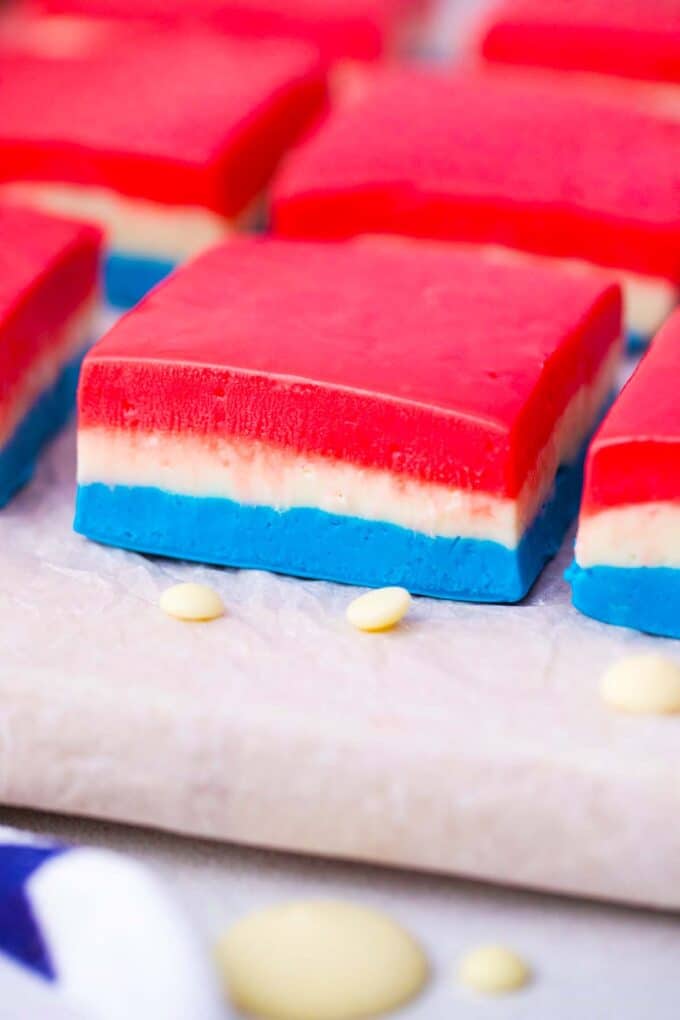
(627, 568)
(630, 38)
(370, 412)
(505, 165)
(166, 161)
(339, 29)
(48, 286)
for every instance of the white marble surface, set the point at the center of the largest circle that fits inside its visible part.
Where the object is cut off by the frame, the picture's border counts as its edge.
(591, 962)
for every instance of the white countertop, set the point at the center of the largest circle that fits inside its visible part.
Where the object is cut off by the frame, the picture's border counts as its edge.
(591, 961)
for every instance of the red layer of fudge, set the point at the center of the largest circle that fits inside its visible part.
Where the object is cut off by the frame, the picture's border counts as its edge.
(474, 158)
(180, 119)
(355, 29)
(48, 281)
(635, 457)
(48, 270)
(507, 164)
(632, 38)
(165, 139)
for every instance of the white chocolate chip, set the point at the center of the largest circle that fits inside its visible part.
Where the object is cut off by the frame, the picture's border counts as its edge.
(379, 609)
(493, 970)
(195, 602)
(320, 960)
(644, 684)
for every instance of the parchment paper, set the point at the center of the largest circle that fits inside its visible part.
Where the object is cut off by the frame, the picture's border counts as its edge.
(472, 740)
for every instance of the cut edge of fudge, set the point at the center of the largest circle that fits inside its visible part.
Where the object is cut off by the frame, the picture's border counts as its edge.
(627, 561)
(47, 301)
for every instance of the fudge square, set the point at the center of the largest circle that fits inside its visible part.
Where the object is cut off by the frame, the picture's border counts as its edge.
(368, 412)
(627, 568)
(513, 166)
(48, 285)
(166, 161)
(630, 38)
(338, 29)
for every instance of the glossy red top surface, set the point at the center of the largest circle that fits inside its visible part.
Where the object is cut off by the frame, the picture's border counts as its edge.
(635, 457)
(357, 29)
(119, 114)
(398, 355)
(488, 159)
(632, 38)
(48, 268)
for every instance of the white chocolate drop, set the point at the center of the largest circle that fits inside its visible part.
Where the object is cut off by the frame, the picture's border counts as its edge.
(493, 970)
(320, 960)
(192, 602)
(644, 684)
(379, 610)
